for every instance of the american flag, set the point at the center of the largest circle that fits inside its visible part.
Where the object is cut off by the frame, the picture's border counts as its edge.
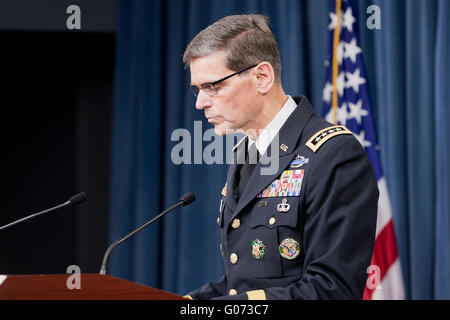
(346, 102)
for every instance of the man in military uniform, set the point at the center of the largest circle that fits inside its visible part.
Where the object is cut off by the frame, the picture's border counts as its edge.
(307, 230)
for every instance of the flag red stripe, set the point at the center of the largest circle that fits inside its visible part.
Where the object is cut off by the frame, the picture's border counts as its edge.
(384, 253)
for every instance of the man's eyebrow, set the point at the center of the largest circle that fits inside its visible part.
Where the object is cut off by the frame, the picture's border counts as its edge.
(199, 85)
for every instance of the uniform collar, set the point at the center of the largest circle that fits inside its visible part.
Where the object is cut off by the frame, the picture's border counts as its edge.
(273, 128)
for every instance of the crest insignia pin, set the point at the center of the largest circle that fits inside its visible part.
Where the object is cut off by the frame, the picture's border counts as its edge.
(289, 249)
(258, 249)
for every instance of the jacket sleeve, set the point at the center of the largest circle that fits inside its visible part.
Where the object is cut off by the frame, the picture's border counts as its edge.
(210, 290)
(340, 221)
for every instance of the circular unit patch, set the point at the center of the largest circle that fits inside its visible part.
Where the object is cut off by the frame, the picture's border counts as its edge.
(289, 249)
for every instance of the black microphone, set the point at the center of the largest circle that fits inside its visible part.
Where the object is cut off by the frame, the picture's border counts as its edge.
(188, 198)
(73, 201)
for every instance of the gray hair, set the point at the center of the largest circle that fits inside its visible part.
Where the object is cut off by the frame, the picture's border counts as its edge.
(246, 39)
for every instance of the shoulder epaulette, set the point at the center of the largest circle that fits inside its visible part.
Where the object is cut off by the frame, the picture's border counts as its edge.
(322, 136)
(238, 144)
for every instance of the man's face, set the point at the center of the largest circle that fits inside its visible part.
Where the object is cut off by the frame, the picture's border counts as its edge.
(237, 101)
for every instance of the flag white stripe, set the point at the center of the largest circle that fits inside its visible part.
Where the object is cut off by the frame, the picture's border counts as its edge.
(391, 287)
(384, 215)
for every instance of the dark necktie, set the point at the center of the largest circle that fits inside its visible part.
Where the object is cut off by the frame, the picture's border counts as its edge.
(251, 159)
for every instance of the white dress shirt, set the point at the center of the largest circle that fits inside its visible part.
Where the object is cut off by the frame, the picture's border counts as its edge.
(268, 133)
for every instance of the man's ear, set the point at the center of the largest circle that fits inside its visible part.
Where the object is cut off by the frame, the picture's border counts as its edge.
(265, 77)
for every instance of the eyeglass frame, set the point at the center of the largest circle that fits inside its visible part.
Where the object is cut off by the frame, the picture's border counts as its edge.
(196, 90)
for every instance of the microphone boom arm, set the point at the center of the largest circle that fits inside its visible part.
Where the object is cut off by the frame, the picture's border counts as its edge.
(73, 201)
(34, 215)
(118, 242)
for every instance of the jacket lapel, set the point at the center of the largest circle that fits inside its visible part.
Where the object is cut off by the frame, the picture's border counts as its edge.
(233, 171)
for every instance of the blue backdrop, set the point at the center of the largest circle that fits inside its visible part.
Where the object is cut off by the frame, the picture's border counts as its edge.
(408, 74)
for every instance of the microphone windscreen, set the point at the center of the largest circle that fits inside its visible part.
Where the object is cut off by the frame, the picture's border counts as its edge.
(77, 199)
(188, 198)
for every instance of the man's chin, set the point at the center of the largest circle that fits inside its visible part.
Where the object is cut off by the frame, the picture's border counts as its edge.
(221, 131)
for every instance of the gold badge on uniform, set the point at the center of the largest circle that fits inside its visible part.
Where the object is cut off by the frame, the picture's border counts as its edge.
(284, 147)
(262, 203)
(258, 248)
(289, 249)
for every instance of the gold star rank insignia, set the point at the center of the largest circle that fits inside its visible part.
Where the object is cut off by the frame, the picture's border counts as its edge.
(322, 136)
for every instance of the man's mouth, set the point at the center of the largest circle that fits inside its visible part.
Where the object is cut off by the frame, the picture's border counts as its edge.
(211, 119)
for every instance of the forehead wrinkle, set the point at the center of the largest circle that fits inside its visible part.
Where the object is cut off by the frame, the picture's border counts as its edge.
(211, 63)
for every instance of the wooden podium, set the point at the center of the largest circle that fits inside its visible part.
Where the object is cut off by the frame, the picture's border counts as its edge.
(92, 287)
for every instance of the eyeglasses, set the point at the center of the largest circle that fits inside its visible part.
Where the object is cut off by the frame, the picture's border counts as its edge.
(210, 89)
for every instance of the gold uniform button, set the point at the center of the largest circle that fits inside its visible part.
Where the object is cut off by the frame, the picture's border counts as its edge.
(236, 223)
(272, 221)
(233, 258)
(232, 292)
(218, 220)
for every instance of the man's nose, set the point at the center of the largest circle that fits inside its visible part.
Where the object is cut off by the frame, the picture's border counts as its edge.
(203, 101)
